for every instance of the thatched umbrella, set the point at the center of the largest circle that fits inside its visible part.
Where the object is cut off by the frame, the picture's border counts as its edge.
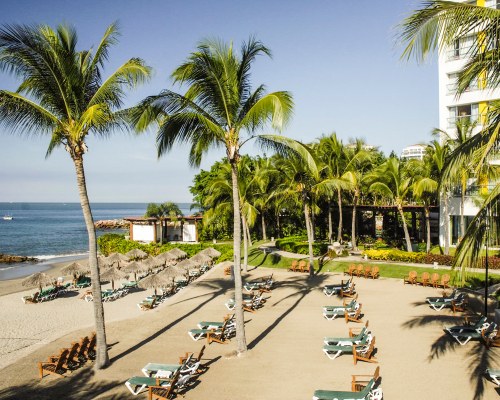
(188, 263)
(210, 251)
(178, 253)
(136, 254)
(116, 258)
(167, 256)
(201, 258)
(75, 269)
(39, 279)
(149, 263)
(154, 281)
(173, 272)
(112, 274)
(133, 267)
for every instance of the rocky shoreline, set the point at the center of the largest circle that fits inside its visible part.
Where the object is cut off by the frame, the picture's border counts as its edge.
(10, 259)
(111, 224)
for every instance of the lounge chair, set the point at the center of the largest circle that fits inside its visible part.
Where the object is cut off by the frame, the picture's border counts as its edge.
(190, 359)
(333, 351)
(197, 334)
(494, 375)
(71, 360)
(163, 379)
(445, 281)
(375, 272)
(214, 324)
(468, 326)
(151, 369)
(353, 337)
(411, 279)
(435, 280)
(163, 393)
(304, 266)
(492, 340)
(460, 304)
(464, 336)
(369, 392)
(57, 367)
(368, 271)
(438, 303)
(332, 312)
(330, 290)
(222, 336)
(359, 382)
(147, 305)
(90, 352)
(31, 299)
(359, 270)
(348, 291)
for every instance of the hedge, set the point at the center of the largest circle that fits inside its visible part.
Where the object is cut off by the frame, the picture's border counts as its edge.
(421, 258)
(299, 245)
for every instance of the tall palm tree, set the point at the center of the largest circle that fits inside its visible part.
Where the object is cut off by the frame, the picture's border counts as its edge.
(265, 180)
(391, 181)
(63, 94)
(217, 110)
(436, 26)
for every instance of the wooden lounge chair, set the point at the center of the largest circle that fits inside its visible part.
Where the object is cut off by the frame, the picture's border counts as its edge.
(354, 316)
(369, 392)
(411, 278)
(303, 266)
(31, 299)
(89, 352)
(435, 280)
(368, 271)
(364, 353)
(330, 290)
(332, 312)
(294, 266)
(194, 359)
(355, 335)
(57, 367)
(360, 270)
(222, 336)
(460, 304)
(144, 306)
(71, 359)
(163, 379)
(359, 382)
(161, 392)
(348, 291)
(350, 270)
(375, 272)
(494, 375)
(425, 279)
(493, 340)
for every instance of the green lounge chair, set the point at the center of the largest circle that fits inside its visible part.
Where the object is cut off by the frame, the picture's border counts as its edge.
(333, 351)
(197, 334)
(330, 290)
(214, 324)
(332, 312)
(464, 336)
(369, 392)
(137, 384)
(354, 339)
(494, 375)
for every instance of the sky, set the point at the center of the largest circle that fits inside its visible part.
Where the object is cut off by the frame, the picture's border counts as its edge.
(339, 59)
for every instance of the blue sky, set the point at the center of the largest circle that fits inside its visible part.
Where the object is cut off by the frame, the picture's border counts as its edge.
(338, 58)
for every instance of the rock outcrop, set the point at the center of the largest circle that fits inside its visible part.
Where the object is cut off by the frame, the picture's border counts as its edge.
(111, 224)
(9, 259)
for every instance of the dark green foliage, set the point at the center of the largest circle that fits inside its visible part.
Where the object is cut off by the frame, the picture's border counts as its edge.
(167, 209)
(299, 245)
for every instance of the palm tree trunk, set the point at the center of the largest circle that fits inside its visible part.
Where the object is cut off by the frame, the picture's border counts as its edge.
(462, 209)
(428, 227)
(446, 224)
(405, 228)
(353, 225)
(245, 244)
(330, 227)
(309, 238)
(102, 358)
(264, 233)
(249, 238)
(241, 341)
(339, 202)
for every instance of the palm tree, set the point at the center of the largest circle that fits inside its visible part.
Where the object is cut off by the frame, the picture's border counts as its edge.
(265, 179)
(391, 181)
(63, 94)
(217, 109)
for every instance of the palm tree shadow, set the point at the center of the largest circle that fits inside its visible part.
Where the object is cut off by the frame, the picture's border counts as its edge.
(479, 356)
(75, 386)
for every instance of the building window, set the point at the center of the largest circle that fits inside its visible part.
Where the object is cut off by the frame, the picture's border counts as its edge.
(453, 85)
(466, 111)
(461, 47)
(492, 4)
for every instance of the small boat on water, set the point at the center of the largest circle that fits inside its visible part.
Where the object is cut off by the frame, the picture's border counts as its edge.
(8, 217)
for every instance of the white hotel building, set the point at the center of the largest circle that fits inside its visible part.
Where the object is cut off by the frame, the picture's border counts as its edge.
(473, 104)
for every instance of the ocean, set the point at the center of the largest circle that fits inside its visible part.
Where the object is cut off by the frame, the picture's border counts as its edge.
(55, 231)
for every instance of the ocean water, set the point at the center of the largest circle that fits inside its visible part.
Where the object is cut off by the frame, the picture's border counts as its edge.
(49, 230)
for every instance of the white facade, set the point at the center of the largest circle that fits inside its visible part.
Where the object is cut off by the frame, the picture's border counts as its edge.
(415, 151)
(472, 104)
(144, 233)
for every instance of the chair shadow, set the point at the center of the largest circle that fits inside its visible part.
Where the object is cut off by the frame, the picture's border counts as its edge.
(75, 386)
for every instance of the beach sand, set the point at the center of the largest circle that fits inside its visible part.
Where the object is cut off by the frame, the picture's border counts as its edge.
(285, 360)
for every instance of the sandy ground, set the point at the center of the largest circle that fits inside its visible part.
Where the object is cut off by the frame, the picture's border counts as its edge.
(285, 360)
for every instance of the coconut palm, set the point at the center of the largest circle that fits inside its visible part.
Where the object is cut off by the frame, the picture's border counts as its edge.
(63, 94)
(391, 181)
(217, 110)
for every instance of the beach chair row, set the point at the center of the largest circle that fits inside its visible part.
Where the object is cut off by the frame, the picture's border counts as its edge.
(360, 270)
(69, 358)
(165, 381)
(107, 295)
(299, 266)
(426, 279)
(47, 294)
